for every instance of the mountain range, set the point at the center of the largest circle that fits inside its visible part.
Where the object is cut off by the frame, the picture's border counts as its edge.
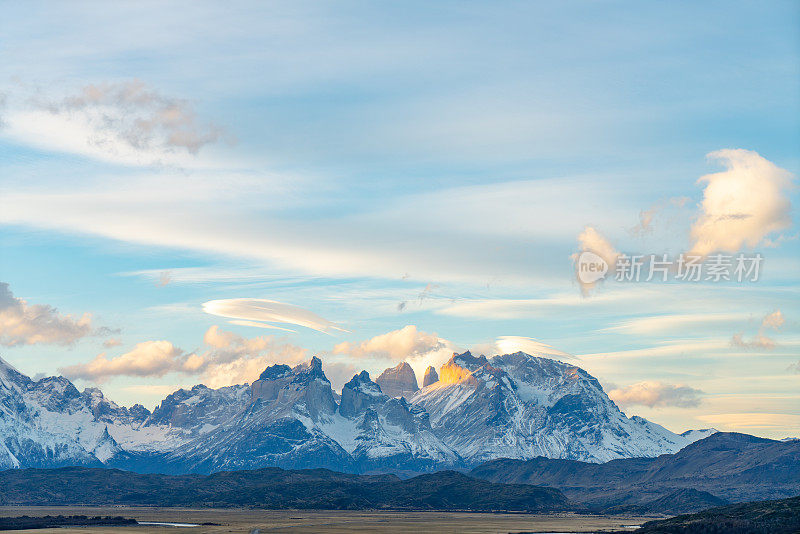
(721, 468)
(473, 410)
(272, 488)
(714, 471)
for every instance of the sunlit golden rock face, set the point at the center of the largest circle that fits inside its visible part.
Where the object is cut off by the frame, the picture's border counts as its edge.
(452, 372)
(458, 368)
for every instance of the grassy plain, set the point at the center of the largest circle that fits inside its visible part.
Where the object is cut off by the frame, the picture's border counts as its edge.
(329, 522)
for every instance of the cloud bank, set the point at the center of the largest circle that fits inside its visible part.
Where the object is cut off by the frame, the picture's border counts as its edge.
(656, 394)
(420, 349)
(149, 358)
(22, 323)
(227, 358)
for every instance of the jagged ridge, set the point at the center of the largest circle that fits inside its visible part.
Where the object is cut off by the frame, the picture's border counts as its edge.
(515, 406)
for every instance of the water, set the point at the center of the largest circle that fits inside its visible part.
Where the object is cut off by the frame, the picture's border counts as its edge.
(165, 524)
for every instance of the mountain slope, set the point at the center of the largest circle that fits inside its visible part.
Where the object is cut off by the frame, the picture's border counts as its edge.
(279, 426)
(729, 466)
(767, 517)
(31, 433)
(381, 432)
(522, 406)
(272, 488)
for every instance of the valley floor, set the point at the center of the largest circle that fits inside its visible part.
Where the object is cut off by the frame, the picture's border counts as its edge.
(270, 521)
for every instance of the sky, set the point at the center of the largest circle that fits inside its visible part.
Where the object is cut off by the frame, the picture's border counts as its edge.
(192, 191)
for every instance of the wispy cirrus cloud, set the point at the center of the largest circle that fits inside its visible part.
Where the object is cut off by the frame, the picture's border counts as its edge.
(667, 322)
(753, 421)
(424, 234)
(662, 349)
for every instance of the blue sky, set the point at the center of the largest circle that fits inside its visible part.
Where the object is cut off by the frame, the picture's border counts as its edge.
(418, 176)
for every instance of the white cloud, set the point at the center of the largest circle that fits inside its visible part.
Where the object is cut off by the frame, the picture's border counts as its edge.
(761, 341)
(424, 235)
(124, 122)
(741, 205)
(233, 359)
(149, 358)
(514, 308)
(227, 359)
(22, 323)
(593, 241)
(256, 324)
(420, 349)
(681, 322)
(268, 311)
(774, 320)
(512, 344)
(396, 345)
(758, 342)
(656, 394)
(665, 348)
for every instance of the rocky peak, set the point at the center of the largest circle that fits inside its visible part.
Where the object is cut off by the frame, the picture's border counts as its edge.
(57, 394)
(108, 411)
(139, 412)
(198, 406)
(309, 371)
(359, 394)
(545, 380)
(431, 377)
(278, 370)
(277, 377)
(304, 388)
(461, 366)
(10, 377)
(362, 382)
(398, 381)
(468, 361)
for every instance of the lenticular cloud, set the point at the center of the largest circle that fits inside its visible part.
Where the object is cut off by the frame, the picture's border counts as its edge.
(262, 312)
